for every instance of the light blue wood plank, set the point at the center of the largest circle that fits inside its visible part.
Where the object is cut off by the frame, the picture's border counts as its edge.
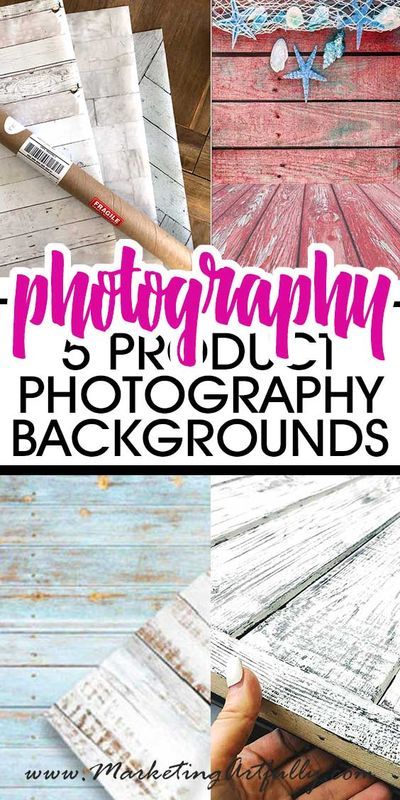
(81, 608)
(48, 794)
(16, 762)
(86, 490)
(20, 727)
(95, 567)
(37, 688)
(57, 649)
(41, 525)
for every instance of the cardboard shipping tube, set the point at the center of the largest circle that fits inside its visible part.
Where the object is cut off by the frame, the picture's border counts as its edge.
(74, 180)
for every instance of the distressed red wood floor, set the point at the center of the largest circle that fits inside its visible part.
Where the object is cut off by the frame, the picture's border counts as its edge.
(271, 225)
(264, 132)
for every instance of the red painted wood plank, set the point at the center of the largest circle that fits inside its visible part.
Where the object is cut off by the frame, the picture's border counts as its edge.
(323, 222)
(275, 241)
(226, 199)
(394, 187)
(386, 42)
(386, 201)
(324, 166)
(306, 124)
(350, 78)
(376, 240)
(235, 227)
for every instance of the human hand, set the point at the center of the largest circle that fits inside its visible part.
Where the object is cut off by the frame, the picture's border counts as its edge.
(278, 766)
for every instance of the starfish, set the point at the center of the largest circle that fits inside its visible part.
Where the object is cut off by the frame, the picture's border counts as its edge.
(359, 18)
(306, 72)
(237, 24)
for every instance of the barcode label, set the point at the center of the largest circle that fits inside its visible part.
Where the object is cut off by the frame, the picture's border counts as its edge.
(44, 158)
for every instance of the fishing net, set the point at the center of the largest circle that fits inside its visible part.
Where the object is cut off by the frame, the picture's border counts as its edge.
(244, 18)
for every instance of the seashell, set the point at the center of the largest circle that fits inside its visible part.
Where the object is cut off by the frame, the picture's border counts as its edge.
(389, 18)
(294, 17)
(319, 19)
(254, 12)
(279, 55)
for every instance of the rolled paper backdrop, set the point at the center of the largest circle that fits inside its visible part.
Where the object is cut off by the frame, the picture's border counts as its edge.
(74, 180)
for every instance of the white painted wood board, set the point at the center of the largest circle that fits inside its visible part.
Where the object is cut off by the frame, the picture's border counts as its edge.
(238, 507)
(329, 716)
(162, 140)
(346, 626)
(310, 600)
(147, 701)
(105, 52)
(260, 569)
(40, 86)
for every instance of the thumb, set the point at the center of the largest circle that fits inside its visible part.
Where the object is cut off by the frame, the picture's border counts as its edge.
(235, 722)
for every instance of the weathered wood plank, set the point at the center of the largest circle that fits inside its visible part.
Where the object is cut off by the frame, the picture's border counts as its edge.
(238, 506)
(391, 698)
(251, 78)
(275, 241)
(181, 638)
(280, 125)
(337, 628)
(369, 165)
(36, 686)
(374, 237)
(63, 77)
(40, 53)
(236, 226)
(389, 42)
(285, 555)
(115, 566)
(85, 233)
(116, 709)
(57, 649)
(29, 7)
(323, 221)
(81, 608)
(226, 198)
(33, 27)
(328, 716)
(25, 727)
(386, 201)
(105, 490)
(197, 594)
(130, 524)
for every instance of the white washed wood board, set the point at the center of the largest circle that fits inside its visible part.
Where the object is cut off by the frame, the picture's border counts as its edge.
(309, 597)
(105, 53)
(148, 701)
(162, 140)
(40, 86)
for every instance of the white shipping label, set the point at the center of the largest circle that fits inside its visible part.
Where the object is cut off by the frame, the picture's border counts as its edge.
(44, 159)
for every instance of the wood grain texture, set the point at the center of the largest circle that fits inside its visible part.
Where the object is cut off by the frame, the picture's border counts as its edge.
(312, 708)
(262, 126)
(236, 507)
(265, 166)
(325, 646)
(339, 629)
(39, 82)
(284, 555)
(360, 222)
(302, 124)
(251, 79)
(155, 682)
(51, 634)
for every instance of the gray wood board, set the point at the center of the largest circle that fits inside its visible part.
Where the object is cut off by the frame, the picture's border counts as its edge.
(260, 569)
(40, 86)
(162, 140)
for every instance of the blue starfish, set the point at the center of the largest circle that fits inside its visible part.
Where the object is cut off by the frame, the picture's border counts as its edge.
(237, 24)
(359, 18)
(306, 72)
